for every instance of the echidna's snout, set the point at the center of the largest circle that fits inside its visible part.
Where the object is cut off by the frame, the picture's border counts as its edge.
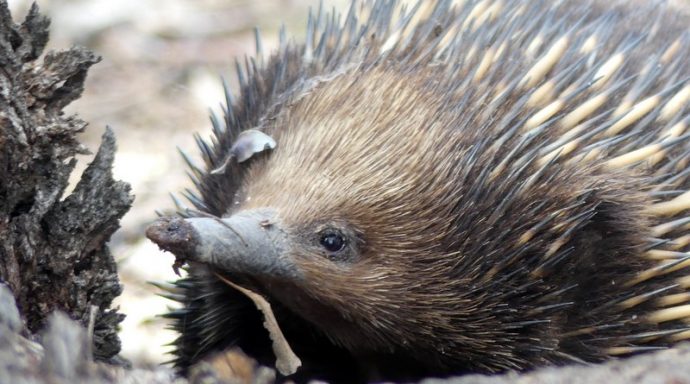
(248, 243)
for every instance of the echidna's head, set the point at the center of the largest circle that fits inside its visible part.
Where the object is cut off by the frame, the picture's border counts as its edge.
(347, 222)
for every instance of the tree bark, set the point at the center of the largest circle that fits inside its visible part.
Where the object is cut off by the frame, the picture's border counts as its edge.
(53, 252)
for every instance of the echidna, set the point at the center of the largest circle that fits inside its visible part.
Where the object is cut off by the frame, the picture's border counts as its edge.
(446, 187)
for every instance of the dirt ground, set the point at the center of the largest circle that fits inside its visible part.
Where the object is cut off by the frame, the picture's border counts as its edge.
(159, 78)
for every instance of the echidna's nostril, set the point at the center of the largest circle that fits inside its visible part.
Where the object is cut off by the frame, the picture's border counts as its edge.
(173, 227)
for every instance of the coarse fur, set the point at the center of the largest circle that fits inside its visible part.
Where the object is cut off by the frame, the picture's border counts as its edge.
(511, 177)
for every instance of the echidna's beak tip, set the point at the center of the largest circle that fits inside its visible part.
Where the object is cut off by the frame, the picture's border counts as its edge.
(172, 234)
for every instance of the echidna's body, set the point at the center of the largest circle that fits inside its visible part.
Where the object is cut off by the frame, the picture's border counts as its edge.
(508, 178)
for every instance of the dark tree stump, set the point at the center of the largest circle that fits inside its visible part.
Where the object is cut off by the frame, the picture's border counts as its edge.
(53, 252)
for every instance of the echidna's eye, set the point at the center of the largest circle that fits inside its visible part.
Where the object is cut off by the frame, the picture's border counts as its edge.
(332, 241)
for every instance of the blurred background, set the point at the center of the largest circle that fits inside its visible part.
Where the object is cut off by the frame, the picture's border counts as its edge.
(160, 75)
